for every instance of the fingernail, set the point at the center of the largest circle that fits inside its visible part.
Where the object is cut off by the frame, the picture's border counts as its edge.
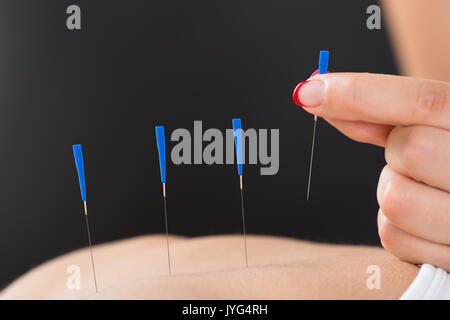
(309, 93)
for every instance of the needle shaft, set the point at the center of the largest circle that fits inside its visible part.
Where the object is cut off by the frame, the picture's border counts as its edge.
(90, 245)
(312, 156)
(243, 221)
(167, 228)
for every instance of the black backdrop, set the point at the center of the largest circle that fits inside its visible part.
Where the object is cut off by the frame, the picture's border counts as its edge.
(136, 64)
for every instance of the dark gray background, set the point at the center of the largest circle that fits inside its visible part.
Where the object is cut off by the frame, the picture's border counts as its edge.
(136, 64)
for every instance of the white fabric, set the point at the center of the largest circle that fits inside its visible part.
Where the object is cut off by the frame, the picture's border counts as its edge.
(431, 283)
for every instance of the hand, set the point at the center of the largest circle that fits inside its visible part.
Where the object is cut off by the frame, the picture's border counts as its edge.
(411, 119)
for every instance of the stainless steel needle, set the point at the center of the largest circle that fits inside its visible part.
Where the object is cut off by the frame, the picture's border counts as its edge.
(312, 156)
(167, 228)
(323, 68)
(161, 144)
(243, 221)
(238, 140)
(90, 245)
(79, 163)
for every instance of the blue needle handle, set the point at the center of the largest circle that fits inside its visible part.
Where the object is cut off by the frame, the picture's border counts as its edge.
(79, 163)
(237, 129)
(323, 61)
(161, 142)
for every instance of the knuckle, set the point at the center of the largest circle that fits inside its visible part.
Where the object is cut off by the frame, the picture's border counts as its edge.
(416, 148)
(389, 238)
(390, 150)
(432, 98)
(383, 181)
(386, 234)
(392, 202)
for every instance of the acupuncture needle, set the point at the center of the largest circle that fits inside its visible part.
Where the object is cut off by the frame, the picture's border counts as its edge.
(323, 67)
(237, 129)
(79, 163)
(161, 143)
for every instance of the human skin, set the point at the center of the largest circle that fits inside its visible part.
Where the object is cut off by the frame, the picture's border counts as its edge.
(214, 268)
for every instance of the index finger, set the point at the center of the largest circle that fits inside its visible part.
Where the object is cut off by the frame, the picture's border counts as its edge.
(376, 98)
